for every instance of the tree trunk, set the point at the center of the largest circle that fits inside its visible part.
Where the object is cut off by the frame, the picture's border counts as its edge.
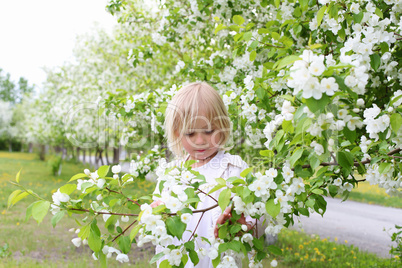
(30, 146)
(100, 157)
(78, 153)
(10, 146)
(107, 156)
(83, 156)
(42, 152)
(116, 155)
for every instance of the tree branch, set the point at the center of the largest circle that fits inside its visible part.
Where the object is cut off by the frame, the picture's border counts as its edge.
(122, 233)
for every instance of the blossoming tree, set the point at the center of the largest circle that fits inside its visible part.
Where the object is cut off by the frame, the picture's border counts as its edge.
(313, 85)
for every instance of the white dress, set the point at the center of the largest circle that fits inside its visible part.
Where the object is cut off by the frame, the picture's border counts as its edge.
(223, 165)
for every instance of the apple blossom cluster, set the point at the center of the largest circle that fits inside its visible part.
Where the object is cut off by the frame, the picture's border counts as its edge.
(387, 180)
(373, 124)
(304, 76)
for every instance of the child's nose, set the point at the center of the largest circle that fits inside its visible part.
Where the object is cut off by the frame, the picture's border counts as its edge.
(199, 138)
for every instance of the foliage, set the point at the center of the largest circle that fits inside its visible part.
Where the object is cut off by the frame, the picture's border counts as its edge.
(313, 90)
(397, 238)
(4, 251)
(10, 92)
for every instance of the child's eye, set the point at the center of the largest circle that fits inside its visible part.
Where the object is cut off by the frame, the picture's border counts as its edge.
(209, 131)
(189, 134)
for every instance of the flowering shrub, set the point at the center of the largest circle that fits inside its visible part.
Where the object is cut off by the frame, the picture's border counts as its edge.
(312, 87)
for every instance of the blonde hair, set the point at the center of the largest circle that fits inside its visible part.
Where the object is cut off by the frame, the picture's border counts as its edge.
(185, 107)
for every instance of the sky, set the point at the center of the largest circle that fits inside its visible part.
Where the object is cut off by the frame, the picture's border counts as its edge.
(38, 33)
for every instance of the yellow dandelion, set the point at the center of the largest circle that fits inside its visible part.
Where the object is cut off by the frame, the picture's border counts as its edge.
(336, 239)
(329, 259)
(301, 247)
(313, 259)
(352, 252)
(301, 258)
(18, 223)
(333, 248)
(306, 257)
(3, 212)
(297, 254)
(316, 249)
(396, 257)
(324, 240)
(354, 257)
(346, 241)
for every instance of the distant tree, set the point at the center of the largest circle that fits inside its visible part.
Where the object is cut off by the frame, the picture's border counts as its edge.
(11, 92)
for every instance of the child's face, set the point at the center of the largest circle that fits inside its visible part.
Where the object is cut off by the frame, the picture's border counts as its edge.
(201, 142)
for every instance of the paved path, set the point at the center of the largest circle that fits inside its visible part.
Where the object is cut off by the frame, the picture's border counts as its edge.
(368, 227)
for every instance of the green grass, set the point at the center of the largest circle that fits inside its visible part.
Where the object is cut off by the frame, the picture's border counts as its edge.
(33, 245)
(302, 250)
(372, 194)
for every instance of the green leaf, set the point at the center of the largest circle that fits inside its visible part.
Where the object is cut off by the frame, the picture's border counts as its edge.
(165, 264)
(221, 181)
(224, 199)
(295, 156)
(175, 226)
(194, 257)
(40, 209)
(253, 55)
(78, 176)
(395, 100)
(94, 241)
(274, 250)
(345, 159)
(349, 134)
(57, 217)
(157, 257)
(333, 190)
(258, 243)
(314, 162)
(216, 188)
(267, 153)
(318, 105)
(219, 28)
(12, 196)
(17, 177)
(285, 61)
(304, 211)
(320, 15)
(223, 231)
(384, 167)
(238, 19)
(396, 122)
(29, 212)
(245, 172)
(135, 231)
(103, 170)
(68, 188)
(275, 35)
(84, 232)
(379, 13)
(272, 208)
(375, 61)
(125, 244)
(277, 3)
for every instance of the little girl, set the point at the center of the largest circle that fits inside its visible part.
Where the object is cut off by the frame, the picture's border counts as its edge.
(197, 128)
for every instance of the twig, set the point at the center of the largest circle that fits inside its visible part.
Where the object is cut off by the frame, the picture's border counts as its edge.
(196, 226)
(124, 230)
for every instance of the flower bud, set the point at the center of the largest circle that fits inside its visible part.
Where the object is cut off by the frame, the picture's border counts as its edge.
(360, 102)
(87, 172)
